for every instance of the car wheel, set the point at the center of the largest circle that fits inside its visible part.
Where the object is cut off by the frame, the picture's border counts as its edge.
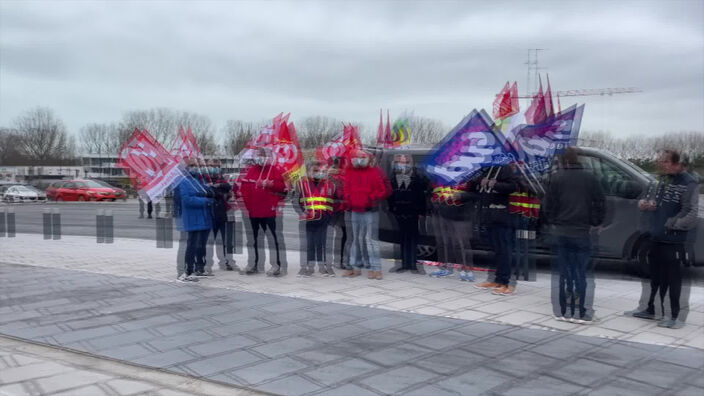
(81, 198)
(59, 199)
(112, 200)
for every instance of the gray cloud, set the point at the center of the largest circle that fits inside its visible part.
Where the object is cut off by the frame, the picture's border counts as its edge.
(250, 60)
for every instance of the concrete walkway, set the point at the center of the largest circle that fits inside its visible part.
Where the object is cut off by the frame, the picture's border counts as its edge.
(273, 342)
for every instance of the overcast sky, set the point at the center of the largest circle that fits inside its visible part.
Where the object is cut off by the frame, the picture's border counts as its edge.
(92, 61)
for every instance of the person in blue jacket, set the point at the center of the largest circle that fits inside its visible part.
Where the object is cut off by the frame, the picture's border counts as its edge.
(196, 211)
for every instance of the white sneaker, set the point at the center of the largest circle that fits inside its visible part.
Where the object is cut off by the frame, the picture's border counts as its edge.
(191, 278)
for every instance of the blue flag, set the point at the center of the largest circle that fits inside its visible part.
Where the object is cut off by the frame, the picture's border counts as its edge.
(536, 145)
(468, 147)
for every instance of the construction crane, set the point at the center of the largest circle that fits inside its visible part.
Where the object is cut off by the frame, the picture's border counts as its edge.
(590, 92)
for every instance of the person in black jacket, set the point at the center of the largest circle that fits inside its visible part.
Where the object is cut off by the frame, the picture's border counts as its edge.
(222, 237)
(496, 187)
(574, 207)
(672, 206)
(407, 203)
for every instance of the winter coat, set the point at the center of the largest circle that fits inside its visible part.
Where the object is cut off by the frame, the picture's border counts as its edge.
(495, 202)
(262, 201)
(364, 188)
(408, 200)
(196, 209)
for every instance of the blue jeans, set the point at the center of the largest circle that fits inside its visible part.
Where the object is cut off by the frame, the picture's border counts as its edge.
(364, 237)
(573, 256)
(195, 251)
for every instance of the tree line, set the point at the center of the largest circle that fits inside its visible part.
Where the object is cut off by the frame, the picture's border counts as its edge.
(39, 137)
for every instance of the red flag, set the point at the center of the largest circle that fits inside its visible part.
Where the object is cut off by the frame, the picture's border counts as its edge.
(502, 103)
(388, 140)
(185, 145)
(380, 131)
(514, 99)
(549, 111)
(536, 111)
(151, 168)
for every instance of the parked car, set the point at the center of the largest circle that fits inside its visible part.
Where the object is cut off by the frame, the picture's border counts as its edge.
(118, 190)
(4, 186)
(23, 193)
(623, 237)
(83, 190)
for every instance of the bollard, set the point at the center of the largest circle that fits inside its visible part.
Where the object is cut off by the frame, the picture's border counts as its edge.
(169, 232)
(159, 232)
(2, 222)
(55, 223)
(108, 229)
(46, 219)
(99, 226)
(10, 222)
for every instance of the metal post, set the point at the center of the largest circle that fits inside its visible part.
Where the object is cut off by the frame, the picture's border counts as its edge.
(10, 222)
(159, 232)
(108, 229)
(99, 226)
(168, 232)
(2, 221)
(56, 223)
(46, 219)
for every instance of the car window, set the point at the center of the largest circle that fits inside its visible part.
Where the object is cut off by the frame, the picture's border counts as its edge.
(57, 184)
(69, 185)
(94, 184)
(80, 185)
(612, 179)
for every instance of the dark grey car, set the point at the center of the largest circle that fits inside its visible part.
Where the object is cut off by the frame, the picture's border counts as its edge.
(624, 235)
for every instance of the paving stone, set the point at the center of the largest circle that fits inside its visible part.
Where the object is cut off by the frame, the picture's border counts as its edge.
(478, 329)
(15, 390)
(244, 326)
(184, 327)
(318, 356)
(432, 390)
(221, 345)
(563, 348)
(90, 390)
(165, 359)
(397, 354)
(475, 381)
(216, 364)
(451, 361)
(274, 333)
(543, 386)
(521, 363)
(292, 385)
(285, 347)
(32, 371)
(341, 372)
(69, 380)
(128, 337)
(391, 321)
(661, 374)
(348, 390)
(86, 334)
(689, 391)
(584, 372)
(176, 341)
(494, 346)
(254, 374)
(397, 379)
(126, 352)
(618, 354)
(429, 326)
(625, 387)
(445, 340)
(129, 387)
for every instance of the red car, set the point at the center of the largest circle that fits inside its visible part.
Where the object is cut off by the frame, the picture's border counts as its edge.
(83, 190)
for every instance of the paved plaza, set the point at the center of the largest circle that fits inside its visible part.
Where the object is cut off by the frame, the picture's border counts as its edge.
(407, 334)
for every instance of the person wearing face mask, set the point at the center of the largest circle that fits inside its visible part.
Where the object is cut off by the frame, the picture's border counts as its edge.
(364, 188)
(316, 197)
(196, 211)
(263, 189)
(336, 174)
(222, 238)
(407, 203)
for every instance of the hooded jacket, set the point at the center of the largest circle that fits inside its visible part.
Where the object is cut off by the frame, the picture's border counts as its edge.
(195, 207)
(364, 188)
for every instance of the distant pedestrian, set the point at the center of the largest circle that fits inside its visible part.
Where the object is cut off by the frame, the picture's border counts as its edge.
(672, 206)
(407, 203)
(316, 198)
(495, 189)
(263, 189)
(364, 188)
(574, 208)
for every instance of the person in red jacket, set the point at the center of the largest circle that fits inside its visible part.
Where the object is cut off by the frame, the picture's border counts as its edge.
(364, 188)
(263, 190)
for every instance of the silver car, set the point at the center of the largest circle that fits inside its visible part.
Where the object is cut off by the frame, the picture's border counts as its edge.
(23, 193)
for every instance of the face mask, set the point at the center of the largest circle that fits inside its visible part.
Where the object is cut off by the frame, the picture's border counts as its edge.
(360, 162)
(260, 161)
(319, 175)
(403, 168)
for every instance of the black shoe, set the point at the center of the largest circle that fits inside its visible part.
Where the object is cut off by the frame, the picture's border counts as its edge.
(644, 314)
(251, 271)
(228, 267)
(396, 268)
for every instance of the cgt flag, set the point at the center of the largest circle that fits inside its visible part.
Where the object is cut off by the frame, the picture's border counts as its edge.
(342, 146)
(470, 146)
(151, 168)
(536, 145)
(185, 145)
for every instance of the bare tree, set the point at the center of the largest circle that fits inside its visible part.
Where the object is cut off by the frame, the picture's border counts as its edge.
(163, 124)
(237, 133)
(10, 148)
(317, 130)
(43, 136)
